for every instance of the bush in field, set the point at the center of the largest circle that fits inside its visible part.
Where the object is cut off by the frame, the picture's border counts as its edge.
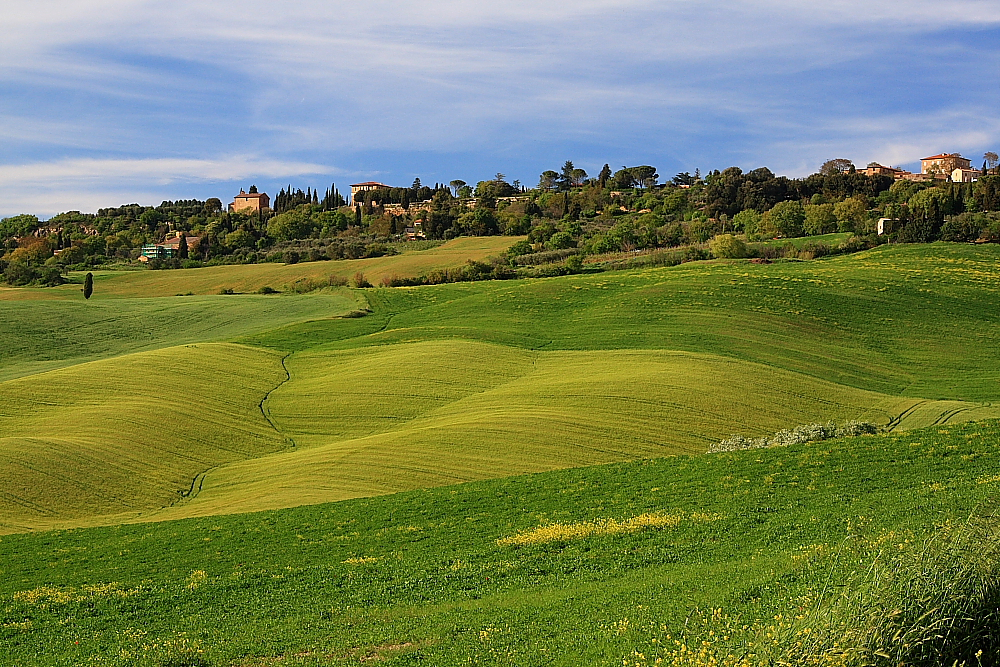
(88, 286)
(795, 436)
(359, 280)
(727, 246)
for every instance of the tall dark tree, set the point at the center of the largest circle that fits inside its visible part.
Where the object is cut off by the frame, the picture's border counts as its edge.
(88, 286)
(604, 176)
(566, 177)
(182, 247)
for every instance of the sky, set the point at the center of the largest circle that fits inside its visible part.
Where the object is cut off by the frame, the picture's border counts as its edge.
(107, 102)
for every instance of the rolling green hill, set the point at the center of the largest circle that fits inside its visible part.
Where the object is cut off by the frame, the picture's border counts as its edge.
(120, 437)
(469, 381)
(602, 565)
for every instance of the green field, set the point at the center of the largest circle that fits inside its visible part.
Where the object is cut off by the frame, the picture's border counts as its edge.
(460, 575)
(462, 382)
(248, 278)
(518, 466)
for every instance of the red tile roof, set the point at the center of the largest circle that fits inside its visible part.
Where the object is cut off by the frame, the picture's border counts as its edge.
(357, 185)
(941, 156)
(251, 195)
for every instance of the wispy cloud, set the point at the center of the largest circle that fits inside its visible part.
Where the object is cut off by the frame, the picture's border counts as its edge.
(128, 84)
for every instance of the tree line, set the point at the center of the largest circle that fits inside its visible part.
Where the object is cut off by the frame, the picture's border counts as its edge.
(568, 211)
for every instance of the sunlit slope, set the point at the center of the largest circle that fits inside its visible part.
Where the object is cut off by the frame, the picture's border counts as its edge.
(916, 320)
(382, 420)
(126, 435)
(251, 277)
(37, 335)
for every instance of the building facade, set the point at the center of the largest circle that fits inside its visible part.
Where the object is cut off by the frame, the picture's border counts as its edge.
(965, 175)
(250, 202)
(945, 163)
(357, 188)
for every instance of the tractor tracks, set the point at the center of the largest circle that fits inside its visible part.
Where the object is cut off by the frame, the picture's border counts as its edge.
(198, 482)
(265, 412)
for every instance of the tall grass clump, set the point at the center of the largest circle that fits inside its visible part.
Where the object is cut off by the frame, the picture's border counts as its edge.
(938, 604)
(795, 436)
(875, 603)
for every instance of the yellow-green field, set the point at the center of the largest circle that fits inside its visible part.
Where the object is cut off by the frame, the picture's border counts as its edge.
(144, 408)
(249, 278)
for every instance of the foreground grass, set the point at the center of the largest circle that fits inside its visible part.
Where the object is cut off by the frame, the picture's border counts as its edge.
(463, 574)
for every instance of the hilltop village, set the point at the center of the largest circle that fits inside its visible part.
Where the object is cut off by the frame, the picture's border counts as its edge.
(571, 215)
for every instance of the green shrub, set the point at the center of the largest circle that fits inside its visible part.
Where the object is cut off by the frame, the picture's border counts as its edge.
(727, 246)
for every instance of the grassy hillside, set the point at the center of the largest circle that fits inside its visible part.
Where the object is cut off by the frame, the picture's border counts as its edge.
(126, 436)
(442, 412)
(248, 278)
(466, 381)
(602, 565)
(36, 336)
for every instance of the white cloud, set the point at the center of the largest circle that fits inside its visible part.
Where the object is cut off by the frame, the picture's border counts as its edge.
(290, 82)
(86, 184)
(157, 170)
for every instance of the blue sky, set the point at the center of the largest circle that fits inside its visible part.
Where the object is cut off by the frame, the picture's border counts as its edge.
(105, 102)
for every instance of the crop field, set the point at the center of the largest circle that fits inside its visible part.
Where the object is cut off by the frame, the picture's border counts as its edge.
(600, 565)
(41, 335)
(461, 382)
(249, 278)
(124, 436)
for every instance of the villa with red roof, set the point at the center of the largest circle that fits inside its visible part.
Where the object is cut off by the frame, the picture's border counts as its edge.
(365, 187)
(945, 163)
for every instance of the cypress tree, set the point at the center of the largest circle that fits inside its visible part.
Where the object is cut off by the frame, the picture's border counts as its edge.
(88, 285)
(182, 247)
(604, 176)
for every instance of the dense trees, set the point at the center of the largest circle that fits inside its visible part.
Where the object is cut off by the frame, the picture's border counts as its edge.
(569, 213)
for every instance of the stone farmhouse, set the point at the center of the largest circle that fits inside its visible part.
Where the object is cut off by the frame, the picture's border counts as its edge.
(250, 202)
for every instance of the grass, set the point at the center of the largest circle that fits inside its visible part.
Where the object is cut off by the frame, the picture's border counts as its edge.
(114, 439)
(249, 278)
(833, 240)
(37, 336)
(442, 412)
(446, 576)
(590, 527)
(463, 382)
